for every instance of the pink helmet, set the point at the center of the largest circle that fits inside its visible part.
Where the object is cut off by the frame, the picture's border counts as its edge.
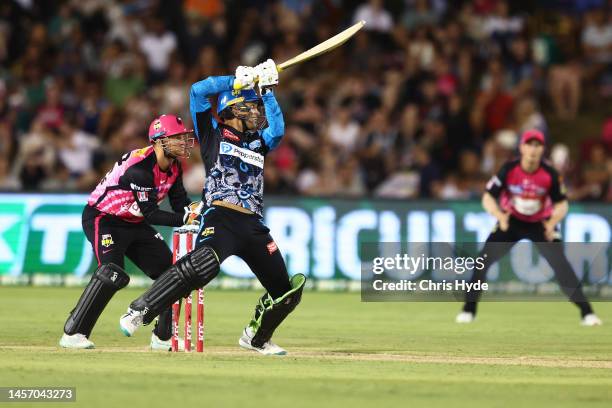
(166, 126)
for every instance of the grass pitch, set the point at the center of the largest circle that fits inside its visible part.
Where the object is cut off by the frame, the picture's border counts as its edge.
(342, 353)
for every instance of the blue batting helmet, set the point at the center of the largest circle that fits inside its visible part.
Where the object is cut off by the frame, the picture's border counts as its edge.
(228, 98)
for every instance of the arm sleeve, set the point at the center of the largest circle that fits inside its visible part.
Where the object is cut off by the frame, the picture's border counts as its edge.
(177, 195)
(557, 187)
(273, 134)
(201, 91)
(497, 183)
(145, 194)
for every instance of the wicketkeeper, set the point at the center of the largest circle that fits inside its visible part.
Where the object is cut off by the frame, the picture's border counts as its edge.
(117, 221)
(234, 140)
(532, 203)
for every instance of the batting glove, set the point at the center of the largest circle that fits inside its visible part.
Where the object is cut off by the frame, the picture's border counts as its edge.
(267, 75)
(245, 77)
(192, 213)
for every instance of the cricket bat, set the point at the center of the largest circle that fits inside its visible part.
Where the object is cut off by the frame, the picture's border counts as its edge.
(326, 46)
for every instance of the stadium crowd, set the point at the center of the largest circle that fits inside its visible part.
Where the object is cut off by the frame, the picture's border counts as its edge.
(427, 102)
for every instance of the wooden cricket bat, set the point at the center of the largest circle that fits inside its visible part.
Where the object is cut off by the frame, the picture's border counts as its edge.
(326, 46)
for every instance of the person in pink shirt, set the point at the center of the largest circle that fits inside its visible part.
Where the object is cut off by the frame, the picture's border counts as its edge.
(117, 221)
(527, 197)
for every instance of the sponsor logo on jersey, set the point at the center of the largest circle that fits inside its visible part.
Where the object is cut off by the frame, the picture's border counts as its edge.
(107, 240)
(158, 236)
(208, 231)
(245, 155)
(255, 144)
(227, 134)
(526, 206)
(271, 247)
(139, 188)
(142, 196)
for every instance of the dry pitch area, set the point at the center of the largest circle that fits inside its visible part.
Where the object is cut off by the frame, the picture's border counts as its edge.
(342, 351)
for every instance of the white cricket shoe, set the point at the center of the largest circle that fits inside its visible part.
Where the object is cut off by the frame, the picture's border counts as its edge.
(268, 348)
(591, 320)
(166, 345)
(76, 341)
(464, 317)
(130, 322)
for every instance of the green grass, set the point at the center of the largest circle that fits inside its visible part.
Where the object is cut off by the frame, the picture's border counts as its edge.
(344, 353)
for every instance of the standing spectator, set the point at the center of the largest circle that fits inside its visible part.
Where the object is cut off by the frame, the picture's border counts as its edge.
(157, 44)
(378, 19)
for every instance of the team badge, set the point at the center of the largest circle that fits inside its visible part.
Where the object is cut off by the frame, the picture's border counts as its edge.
(107, 240)
(142, 196)
(208, 231)
(157, 125)
(271, 247)
(255, 144)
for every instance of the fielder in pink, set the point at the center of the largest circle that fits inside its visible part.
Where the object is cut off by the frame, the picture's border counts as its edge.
(118, 220)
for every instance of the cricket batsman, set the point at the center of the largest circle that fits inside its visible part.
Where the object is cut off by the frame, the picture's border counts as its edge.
(532, 203)
(234, 140)
(117, 222)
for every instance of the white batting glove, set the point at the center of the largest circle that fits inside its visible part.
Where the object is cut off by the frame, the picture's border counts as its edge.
(245, 77)
(267, 75)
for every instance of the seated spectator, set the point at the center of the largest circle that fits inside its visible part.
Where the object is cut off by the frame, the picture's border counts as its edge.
(350, 179)
(51, 113)
(75, 150)
(527, 116)
(520, 69)
(494, 103)
(276, 183)
(343, 131)
(429, 173)
(595, 175)
(8, 181)
(375, 147)
(36, 156)
(597, 43)
(421, 13)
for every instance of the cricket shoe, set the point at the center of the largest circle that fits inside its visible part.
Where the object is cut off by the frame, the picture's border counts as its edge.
(166, 345)
(465, 317)
(130, 322)
(268, 348)
(76, 341)
(591, 320)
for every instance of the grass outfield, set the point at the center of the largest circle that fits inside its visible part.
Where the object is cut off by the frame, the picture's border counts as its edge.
(342, 351)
